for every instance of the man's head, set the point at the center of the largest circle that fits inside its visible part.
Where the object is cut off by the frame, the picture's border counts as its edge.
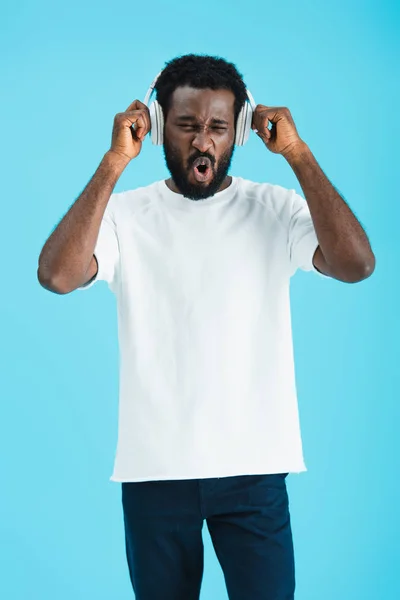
(201, 97)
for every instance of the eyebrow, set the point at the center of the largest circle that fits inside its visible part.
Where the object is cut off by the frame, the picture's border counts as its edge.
(191, 119)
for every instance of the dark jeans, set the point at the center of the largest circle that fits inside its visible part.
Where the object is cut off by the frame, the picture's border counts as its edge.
(249, 523)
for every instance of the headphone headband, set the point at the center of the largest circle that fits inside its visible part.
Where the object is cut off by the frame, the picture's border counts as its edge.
(151, 89)
(153, 85)
(251, 100)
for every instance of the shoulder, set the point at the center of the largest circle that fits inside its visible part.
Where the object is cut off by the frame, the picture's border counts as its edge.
(279, 203)
(272, 196)
(122, 204)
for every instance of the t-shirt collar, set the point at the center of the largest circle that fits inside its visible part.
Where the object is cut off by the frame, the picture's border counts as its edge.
(179, 201)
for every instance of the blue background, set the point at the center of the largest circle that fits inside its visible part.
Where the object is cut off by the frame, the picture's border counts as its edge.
(66, 69)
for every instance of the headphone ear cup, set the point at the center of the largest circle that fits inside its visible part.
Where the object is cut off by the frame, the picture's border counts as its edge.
(244, 124)
(247, 122)
(157, 123)
(239, 127)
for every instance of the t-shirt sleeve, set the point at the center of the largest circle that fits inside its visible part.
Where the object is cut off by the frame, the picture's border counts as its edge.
(106, 252)
(302, 241)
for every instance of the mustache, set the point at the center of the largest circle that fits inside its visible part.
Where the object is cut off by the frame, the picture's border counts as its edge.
(194, 157)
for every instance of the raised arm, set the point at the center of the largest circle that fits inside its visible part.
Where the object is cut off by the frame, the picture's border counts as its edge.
(344, 251)
(66, 261)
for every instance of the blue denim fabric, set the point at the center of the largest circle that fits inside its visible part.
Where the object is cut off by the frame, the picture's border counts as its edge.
(249, 523)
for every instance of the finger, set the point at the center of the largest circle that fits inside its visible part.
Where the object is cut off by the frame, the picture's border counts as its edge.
(262, 125)
(266, 137)
(136, 105)
(146, 114)
(267, 126)
(128, 120)
(140, 122)
(145, 122)
(276, 114)
(272, 113)
(130, 117)
(258, 118)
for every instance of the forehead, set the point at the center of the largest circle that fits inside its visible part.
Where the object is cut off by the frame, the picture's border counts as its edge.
(202, 103)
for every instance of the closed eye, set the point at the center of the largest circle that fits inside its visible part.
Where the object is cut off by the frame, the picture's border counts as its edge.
(187, 127)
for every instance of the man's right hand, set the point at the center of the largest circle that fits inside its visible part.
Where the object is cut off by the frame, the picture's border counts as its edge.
(126, 140)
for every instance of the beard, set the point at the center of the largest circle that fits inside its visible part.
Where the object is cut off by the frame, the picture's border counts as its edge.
(180, 172)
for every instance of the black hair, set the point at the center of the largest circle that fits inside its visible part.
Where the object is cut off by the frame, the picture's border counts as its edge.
(200, 71)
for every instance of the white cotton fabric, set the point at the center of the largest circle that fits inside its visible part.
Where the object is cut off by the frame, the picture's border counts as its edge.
(207, 382)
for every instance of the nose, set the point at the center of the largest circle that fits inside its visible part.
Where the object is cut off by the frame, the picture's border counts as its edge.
(202, 141)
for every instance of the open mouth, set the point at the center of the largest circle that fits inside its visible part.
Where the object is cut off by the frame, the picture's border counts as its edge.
(202, 170)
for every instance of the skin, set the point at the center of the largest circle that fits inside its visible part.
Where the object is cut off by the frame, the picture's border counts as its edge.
(66, 261)
(344, 251)
(200, 122)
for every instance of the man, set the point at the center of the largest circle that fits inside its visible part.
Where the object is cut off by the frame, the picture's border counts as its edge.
(200, 265)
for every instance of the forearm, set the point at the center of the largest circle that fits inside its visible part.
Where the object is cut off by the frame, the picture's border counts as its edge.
(342, 240)
(67, 253)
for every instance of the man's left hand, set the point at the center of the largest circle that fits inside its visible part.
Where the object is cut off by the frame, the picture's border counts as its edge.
(282, 137)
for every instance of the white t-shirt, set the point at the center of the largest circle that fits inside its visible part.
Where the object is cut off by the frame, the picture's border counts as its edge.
(207, 383)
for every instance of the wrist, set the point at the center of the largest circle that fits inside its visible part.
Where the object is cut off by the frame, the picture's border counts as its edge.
(116, 160)
(296, 152)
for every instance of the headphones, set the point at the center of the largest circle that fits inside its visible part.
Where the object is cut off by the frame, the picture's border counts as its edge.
(243, 124)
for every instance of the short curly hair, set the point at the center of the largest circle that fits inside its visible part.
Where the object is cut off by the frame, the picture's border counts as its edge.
(200, 71)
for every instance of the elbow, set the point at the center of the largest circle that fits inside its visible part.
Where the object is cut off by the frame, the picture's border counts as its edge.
(51, 283)
(361, 270)
(369, 267)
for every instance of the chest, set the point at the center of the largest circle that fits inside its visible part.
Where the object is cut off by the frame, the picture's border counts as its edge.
(204, 254)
